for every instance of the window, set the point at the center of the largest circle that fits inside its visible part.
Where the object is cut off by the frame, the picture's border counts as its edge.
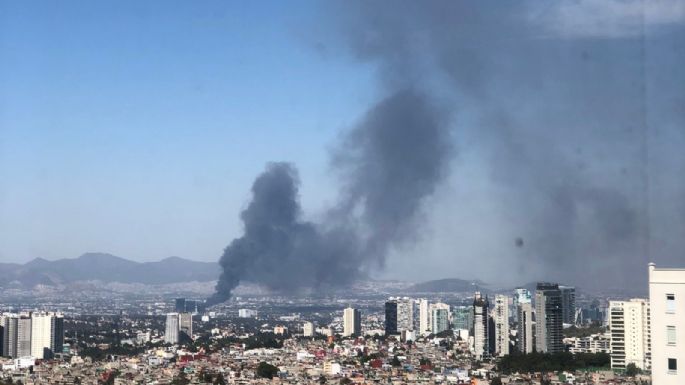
(672, 365)
(670, 335)
(670, 303)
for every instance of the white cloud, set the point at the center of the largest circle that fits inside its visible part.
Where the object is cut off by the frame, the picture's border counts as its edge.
(607, 18)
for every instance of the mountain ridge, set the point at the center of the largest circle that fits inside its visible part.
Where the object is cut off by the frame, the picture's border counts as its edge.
(106, 268)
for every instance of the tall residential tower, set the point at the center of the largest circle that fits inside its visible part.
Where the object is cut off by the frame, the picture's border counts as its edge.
(548, 318)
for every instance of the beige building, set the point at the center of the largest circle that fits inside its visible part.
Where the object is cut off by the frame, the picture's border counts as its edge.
(525, 327)
(629, 328)
(667, 299)
(308, 329)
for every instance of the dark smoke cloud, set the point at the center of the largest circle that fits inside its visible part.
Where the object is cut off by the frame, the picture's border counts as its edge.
(580, 134)
(563, 121)
(279, 249)
(387, 165)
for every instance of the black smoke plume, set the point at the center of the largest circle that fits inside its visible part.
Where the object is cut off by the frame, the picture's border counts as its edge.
(387, 165)
(576, 123)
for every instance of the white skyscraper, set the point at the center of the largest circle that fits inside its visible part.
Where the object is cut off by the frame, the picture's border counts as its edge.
(172, 328)
(667, 308)
(525, 327)
(629, 326)
(352, 322)
(424, 317)
(500, 315)
(481, 327)
(42, 335)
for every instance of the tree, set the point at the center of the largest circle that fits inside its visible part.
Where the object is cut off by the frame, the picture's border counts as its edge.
(345, 381)
(496, 381)
(322, 379)
(266, 370)
(632, 370)
(219, 380)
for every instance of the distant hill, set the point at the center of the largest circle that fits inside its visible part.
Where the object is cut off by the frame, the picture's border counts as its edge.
(107, 268)
(448, 285)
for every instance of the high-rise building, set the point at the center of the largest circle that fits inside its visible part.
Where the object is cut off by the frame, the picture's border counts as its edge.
(568, 304)
(39, 335)
(185, 326)
(424, 317)
(191, 306)
(10, 337)
(180, 305)
(352, 322)
(439, 324)
(667, 310)
(172, 328)
(399, 315)
(391, 317)
(2, 336)
(58, 335)
(24, 330)
(548, 317)
(500, 315)
(521, 295)
(308, 329)
(525, 327)
(462, 318)
(42, 335)
(481, 326)
(440, 319)
(405, 314)
(629, 327)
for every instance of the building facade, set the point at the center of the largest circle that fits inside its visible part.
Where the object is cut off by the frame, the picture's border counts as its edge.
(548, 318)
(462, 318)
(172, 328)
(629, 327)
(568, 304)
(424, 317)
(185, 326)
(405, 314)
(308, 329)
(439, 320)
(596, 343)
(524, 333)
(667, 331)
(481, 326)
(24, 330)
(521, 295)
(391, 318)
(500, 316)
(352, 322)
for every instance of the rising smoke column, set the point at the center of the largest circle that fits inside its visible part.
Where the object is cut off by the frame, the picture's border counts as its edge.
(561, 109)
(387, 165)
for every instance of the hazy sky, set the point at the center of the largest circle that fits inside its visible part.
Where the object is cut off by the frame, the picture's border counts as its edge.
(137, 128)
